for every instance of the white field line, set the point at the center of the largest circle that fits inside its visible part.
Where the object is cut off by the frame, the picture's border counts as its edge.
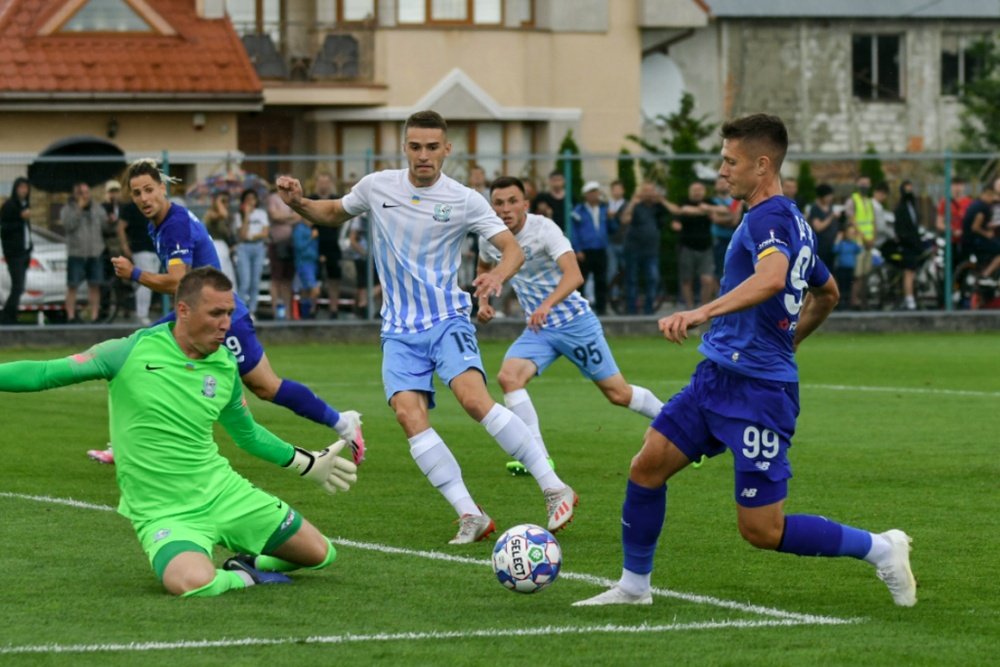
(573, 576)
(547, 631)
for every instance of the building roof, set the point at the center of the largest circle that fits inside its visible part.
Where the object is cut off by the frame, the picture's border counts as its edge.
(176, 54)
(856, 9)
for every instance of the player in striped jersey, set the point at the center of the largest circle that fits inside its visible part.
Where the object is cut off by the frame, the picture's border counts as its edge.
(420, 218)
(560, 322)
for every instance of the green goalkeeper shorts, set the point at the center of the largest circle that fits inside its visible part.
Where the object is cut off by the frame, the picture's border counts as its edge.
(240, 517)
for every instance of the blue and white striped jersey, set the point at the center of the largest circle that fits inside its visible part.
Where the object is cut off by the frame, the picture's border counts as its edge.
(543, 243)
(417, 237)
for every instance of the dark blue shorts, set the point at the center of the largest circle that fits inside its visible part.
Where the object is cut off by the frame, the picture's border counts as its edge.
(752, 418)
(241, 339)
(80, 269)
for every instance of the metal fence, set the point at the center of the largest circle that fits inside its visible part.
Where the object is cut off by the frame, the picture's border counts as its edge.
(947, 281)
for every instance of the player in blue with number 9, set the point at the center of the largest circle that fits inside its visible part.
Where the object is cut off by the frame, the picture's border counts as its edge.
(182, 244)
(744, 396)
(560, 322)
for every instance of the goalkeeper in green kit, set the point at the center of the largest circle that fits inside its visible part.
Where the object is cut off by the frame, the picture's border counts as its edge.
(168, 385)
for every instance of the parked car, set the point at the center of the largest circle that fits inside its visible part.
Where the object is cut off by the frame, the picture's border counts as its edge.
(45, 282)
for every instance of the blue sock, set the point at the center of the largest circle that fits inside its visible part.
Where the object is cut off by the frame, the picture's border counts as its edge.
(811, 535)
(302, 401)
(642, 521)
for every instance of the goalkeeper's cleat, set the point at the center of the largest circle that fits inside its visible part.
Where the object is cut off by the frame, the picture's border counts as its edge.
(243, 565)
(354, 437)
(102, 455)
(895, 570)
(473, 528)
(559, 504)
(700, 462)
(615, 595)
(517, 468)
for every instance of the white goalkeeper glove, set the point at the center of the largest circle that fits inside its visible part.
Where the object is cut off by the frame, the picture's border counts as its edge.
(324, 467)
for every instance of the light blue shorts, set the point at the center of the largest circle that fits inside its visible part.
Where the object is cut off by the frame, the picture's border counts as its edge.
(409, 361)
(581, 340)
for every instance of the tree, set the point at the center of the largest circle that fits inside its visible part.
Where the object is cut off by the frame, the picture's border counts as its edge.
(980, 97)
(872, 167)
(575, 183)
(807, 184)
(626, 172)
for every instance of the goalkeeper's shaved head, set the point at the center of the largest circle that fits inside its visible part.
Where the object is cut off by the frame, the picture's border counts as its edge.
(190, 287)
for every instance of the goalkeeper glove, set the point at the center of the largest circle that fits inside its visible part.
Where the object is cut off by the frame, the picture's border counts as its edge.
(325, 468)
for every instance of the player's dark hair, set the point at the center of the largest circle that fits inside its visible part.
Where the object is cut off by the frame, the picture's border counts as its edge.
(501, 182)
(765, 132)
(430, 120)
(190, 286)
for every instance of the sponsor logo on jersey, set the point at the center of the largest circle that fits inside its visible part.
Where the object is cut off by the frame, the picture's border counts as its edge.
(442, 212)
(388, 205)
(748, 493)
(768, 243)
(161, 534)
(289, 518)
(762, 465)
(208, 386)
(150, 367)
(735, 357)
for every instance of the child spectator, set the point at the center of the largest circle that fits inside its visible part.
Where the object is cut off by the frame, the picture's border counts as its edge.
(845, 252)
(305, 240)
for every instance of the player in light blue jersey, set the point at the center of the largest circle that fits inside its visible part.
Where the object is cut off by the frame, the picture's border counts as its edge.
(420, 218)
(560, 322)
(744, 396)
(182, 243)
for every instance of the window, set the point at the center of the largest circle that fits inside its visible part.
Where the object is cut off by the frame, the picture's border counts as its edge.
(106, 16)
(353, 11)
(477, 12)
(243, 14)
(876, 66)
(961, 62)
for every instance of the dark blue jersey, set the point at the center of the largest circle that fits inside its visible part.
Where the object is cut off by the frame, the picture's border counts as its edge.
(757, 342)
(182, 238)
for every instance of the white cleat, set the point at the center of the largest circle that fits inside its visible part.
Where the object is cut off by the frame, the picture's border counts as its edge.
(354, 437)
(895, 572)
(615, 595)
(473, 528)
(559, 504)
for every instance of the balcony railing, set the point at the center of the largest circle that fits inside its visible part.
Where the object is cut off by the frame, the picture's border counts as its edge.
(310, 52)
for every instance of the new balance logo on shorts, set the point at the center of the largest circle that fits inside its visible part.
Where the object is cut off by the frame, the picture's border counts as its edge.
(748, 493)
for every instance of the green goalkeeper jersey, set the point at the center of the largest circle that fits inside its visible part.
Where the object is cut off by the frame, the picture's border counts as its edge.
(162, 409)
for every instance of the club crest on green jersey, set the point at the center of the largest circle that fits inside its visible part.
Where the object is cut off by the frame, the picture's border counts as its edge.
(208, 386)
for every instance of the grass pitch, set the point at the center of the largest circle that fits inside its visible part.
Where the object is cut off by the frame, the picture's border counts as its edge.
(895, 431)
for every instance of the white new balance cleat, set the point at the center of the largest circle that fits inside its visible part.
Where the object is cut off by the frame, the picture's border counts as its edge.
(105, 456)
(473, 528)
(354, 438)
(615, 595)
(896, 572)
(559, 504)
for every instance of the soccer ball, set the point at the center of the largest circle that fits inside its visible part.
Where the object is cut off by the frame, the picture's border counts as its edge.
(527, 558)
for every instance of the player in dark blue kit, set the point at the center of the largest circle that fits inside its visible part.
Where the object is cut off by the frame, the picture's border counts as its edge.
(744, 396)
(182, 243)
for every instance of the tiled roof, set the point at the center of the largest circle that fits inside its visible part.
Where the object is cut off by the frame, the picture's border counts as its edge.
(204, 57)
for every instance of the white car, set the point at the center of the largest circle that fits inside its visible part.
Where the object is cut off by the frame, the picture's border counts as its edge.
(45, 282)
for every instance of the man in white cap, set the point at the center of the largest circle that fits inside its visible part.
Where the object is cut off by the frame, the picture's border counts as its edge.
(589, 236)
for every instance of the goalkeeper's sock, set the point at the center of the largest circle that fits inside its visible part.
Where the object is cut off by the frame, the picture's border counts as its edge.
(224, 581)
(438, 464)
(275, 564)
(812, 535)
(520, 404)
(644, 402)
(515, 439)
(301, 400)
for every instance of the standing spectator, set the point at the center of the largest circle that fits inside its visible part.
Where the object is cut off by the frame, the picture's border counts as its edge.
(330, 252)
(84, 223)
(859, 210)
(907, 226)
(552, 203)
(15, 238)
(694, 245)
(219, 224)
(642, 219)
(358, 253)
(281, 254)
(724, 222)
(137, 245)
(884, 218)
(790, 188)
(960, 203)
(115, 292)
(253, 226)
(590, 241)
(616, 244)
(846, 251)
(823, 219)
(978, 234)
(479, 183)
(305, 241)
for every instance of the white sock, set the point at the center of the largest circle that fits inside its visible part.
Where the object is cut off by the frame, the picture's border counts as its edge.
(520, 404)
(644, 402)
(634, 583)
(441, 469)
(515, 438)
(881, 549)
